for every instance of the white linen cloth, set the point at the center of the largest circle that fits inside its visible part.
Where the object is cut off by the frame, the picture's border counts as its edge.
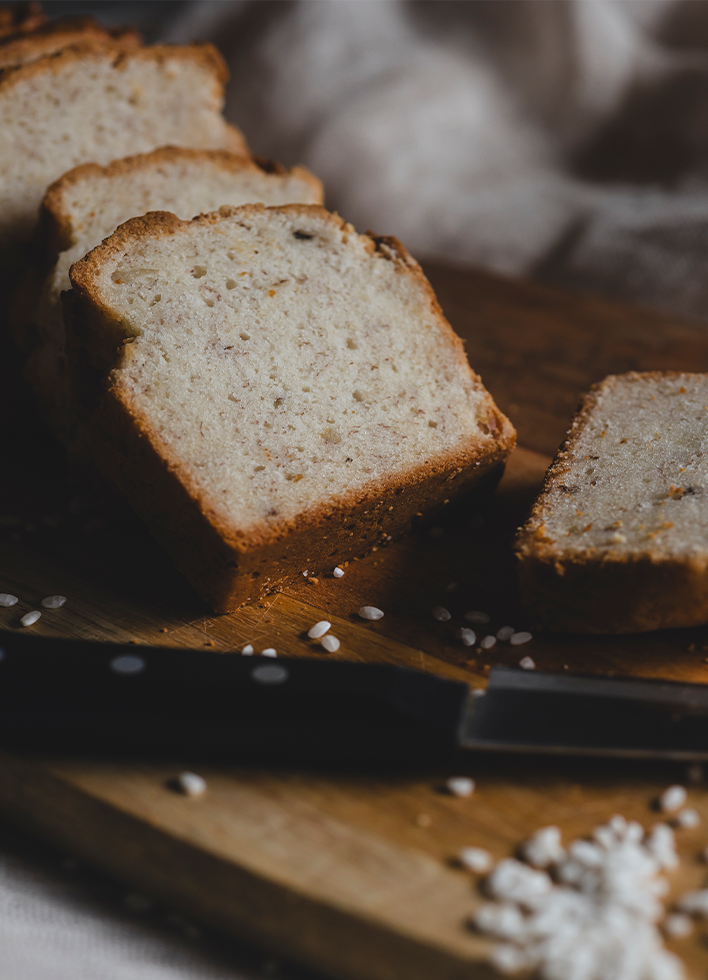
(566, 140)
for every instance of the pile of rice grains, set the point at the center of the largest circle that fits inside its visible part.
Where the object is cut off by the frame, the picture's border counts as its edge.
(593, 910)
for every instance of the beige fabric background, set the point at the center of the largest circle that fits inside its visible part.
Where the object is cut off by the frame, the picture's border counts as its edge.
(566, 139)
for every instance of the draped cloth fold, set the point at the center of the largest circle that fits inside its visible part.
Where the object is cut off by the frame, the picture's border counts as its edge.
(563, 140)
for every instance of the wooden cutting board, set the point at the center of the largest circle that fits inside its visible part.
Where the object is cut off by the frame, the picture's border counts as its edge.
(352, 874)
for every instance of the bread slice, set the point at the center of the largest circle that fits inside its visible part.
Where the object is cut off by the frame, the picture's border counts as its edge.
(96, 101)
(280, 393)
(617, 541)
(48, 38)
(88, 203)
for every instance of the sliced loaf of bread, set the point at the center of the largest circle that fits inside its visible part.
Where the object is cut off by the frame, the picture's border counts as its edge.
(617, 541)
(96, 101)
(88, 203)
(279, 393)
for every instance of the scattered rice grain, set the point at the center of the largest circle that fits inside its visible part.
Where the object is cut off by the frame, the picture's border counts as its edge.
(441, 614)
(269, 652)
(460, 786)
(543, 848)
(475, 616)
(476, 859)
(517, 639)
(694, 903)
(53, 601)
(488, 642)
(338, 572)
(468, 636)
(6, 599)
(191, 784)
(505, 633)
(527, 663)
(370, 612)
(677, 925)
(330, 643)
(319, 629)
(247, 651)
(672, 799)
(687, 819)
(30, 618)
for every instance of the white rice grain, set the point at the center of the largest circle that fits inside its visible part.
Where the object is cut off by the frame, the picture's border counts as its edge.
(53, 601)
(247, 651)
(600, 921)
(191, 784)
(505, 633)
(687, 819)
(468, 636)
(338, 572)
(319, 629)
(330, 643)
(460, 786)
(6, 599)
(441, 614)
(30, 618)
(269, 652)
(544, 847)
(475, 616)
(370, 612)
(672, 799)
(678, 926)
(475, 859)
(694, 903)
(488, 642)
(517, 639)
(527, 663)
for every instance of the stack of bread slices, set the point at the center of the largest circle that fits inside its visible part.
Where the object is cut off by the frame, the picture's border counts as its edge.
(270, 390)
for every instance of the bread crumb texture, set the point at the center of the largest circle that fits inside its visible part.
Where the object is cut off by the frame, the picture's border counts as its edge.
(94, 101)
(284, 365)
(627, 499)
(88, 203)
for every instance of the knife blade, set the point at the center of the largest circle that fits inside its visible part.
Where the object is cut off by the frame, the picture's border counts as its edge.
(133, 701)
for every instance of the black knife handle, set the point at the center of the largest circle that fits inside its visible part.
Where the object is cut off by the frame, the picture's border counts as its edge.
(135, 701)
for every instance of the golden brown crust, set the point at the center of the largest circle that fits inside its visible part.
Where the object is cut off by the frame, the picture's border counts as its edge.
(230, 565)
(20, 48)
(593, 591)
(56, 62)
(228, 572)
(55, 231)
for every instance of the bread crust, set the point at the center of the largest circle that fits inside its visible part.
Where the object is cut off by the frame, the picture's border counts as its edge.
(231, 565)
(54, 231)
(201, 52)
(604, 591)
(17, 49)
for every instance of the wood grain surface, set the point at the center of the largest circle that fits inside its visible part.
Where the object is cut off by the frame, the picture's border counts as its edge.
(350, 873)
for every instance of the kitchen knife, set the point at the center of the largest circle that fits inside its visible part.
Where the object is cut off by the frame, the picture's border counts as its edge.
(60, 696)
